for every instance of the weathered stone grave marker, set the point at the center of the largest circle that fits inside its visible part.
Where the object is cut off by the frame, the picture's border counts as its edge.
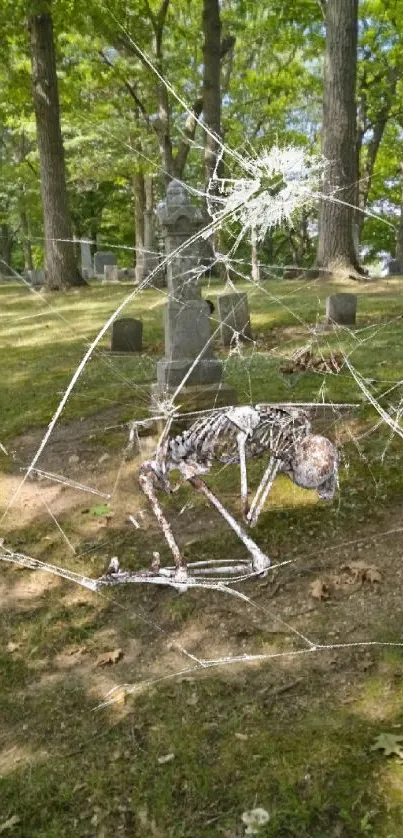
(37, 277)
(102, 258)
(86, 260)
(394, 267)
(341, 309)
(188, 345)
(111, 273)
(233, 312)
(127, 335)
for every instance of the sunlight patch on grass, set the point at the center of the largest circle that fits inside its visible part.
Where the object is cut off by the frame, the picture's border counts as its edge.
(19, 757)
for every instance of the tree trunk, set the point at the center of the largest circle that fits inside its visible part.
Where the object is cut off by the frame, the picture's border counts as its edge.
(139, 210)
(255, 257)
(148, 216)
(399, 241)
(211, 84)
(6, 248)
(336, 241)
(378, 127)
(60, 264)
(164, 109)
(26, 243)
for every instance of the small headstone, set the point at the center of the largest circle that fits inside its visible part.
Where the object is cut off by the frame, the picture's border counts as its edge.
(292, 273)
(127, 335)
(341, 309)
(102, 258)
(111, 273)
(37, 278)
(394, 268)
(233, 313)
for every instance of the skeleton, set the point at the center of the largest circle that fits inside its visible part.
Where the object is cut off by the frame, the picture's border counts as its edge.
(233, 435)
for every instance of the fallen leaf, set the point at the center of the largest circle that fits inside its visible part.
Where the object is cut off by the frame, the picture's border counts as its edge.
(10, 823)
(390, 744)
(109, 658)
(373, 575)
(119, 696)
(319, 589)
(165, 758)
(363, 572)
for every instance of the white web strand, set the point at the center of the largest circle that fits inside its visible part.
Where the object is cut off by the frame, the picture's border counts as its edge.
(254, 202)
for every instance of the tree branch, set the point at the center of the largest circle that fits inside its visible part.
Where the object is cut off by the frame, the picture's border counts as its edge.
(188, 137)
(161, 16)
(130, 88)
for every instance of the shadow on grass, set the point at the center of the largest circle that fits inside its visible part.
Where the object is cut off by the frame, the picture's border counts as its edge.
(187, 758)
(190, 758)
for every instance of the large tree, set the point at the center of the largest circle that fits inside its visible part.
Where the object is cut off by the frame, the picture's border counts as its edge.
(211, 84)
(336, 247)
(60, 261)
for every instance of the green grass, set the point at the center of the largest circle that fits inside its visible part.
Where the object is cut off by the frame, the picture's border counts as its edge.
(292, 735)
(44, 337)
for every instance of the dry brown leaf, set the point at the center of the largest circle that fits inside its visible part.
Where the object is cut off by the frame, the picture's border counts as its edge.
(319, 589)
(363, 572)
(109, 658)
(373, 575)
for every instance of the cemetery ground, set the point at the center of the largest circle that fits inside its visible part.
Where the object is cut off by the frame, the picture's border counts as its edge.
(188, 755)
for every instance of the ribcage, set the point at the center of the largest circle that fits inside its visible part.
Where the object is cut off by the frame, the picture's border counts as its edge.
(214, 436)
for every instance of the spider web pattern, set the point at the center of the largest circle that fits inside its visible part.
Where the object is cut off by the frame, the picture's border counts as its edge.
(250, 202)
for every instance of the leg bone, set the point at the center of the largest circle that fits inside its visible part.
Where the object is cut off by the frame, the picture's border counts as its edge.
(147, 482)
(241, 440)
(260, 562)
(262, 491)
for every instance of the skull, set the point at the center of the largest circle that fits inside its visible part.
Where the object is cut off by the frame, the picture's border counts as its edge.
(313, 464)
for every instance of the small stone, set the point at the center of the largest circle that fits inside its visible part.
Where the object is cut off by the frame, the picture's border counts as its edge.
(341, 309)
(165, 758)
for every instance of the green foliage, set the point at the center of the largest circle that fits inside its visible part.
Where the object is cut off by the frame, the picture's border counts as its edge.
(272, 92)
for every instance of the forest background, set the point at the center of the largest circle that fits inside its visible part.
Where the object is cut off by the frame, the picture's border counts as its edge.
(252, 73)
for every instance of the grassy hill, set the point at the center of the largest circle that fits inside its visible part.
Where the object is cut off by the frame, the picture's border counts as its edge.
(220, 706)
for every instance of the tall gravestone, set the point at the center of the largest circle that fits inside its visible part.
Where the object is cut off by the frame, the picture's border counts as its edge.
(394, 267)
(188, 347)
(37, 277)
(86, 260)
(233, 312)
